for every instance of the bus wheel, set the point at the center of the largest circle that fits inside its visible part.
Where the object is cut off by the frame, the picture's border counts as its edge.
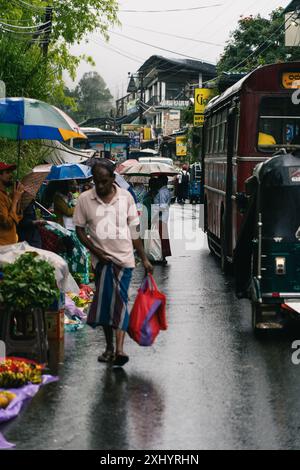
(225, 265)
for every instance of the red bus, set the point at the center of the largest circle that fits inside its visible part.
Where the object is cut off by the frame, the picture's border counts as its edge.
(244, 126)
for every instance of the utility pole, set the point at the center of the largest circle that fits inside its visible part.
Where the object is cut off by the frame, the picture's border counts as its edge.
(141, 79)
(48, 28)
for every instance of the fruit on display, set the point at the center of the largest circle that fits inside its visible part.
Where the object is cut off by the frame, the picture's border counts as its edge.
(15, 373)
(6, 398)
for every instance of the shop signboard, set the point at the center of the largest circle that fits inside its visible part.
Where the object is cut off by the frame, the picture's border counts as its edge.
(181, 146)
(198, 120)
(202, 97)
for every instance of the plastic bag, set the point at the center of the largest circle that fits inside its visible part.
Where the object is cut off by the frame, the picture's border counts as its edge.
(152, 244)
(148, 315)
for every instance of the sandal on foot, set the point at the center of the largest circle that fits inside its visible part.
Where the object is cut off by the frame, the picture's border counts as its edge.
(107, 356)
(120, 360)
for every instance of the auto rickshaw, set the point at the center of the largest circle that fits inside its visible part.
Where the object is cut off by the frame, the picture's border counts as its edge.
(267, 256)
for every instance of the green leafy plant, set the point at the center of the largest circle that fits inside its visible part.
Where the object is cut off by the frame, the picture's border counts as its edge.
(28, 283)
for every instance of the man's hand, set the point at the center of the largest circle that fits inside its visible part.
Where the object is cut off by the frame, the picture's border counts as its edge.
(148, 266)
(18, 192)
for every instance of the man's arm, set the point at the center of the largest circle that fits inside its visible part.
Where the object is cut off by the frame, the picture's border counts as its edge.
(86, 241)
(138, 245)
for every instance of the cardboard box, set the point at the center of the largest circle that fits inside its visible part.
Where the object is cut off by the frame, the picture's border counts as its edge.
(58, 304)
(56, 355)
(55, 322)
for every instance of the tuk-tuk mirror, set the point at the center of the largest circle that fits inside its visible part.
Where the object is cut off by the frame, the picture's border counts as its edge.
(242, 202)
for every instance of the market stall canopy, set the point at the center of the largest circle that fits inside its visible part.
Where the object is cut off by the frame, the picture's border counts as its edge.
(58, 153)
(69, 172)
(150, 169)
(28, 119)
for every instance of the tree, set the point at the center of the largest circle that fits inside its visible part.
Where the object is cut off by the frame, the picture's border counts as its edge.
(71, 21)
(257, 41)
(26, 69)
(92, 96)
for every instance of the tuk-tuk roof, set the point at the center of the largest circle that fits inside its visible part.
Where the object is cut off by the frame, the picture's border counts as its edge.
(281, 170)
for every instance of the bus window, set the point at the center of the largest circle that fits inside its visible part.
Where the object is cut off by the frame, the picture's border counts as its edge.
(212, 134)
(208, 134)
(279, 124)
(217, 132)
(237, 132)
(223, 132)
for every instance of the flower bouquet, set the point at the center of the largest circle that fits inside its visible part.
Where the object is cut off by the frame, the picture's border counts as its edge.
(15, 373)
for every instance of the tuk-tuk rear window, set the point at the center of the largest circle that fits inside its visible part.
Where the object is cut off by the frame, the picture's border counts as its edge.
(281, 212)
(279, 124)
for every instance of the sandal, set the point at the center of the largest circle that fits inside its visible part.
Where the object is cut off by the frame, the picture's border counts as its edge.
(120, 360)
(107, 356)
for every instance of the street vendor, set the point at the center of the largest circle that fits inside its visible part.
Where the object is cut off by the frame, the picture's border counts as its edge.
(10, 214)
(109, 214)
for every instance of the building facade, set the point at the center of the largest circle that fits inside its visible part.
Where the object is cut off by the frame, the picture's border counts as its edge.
(164, 88)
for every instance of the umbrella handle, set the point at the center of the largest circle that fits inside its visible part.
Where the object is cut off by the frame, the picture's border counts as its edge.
(42, 208)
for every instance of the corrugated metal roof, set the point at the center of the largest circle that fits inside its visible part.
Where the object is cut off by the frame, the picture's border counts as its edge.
(188, 64)
(292, 6)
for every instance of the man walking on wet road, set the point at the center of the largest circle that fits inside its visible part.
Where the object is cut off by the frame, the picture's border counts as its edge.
(110, 215)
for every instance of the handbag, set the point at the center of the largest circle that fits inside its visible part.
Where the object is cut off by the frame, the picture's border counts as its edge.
(152, 244)
(148, 315)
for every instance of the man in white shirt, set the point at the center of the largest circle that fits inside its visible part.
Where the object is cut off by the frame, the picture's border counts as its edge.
(110, 215)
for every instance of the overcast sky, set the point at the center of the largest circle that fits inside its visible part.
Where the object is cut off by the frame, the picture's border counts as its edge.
(212, 24)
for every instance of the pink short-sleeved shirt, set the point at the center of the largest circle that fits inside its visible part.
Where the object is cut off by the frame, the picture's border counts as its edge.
(110, 226)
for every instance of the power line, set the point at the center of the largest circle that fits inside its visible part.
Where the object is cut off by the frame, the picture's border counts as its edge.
(172, 10)
(175, 36)
(36, 27)
(156, 47)
(28, 5)
(119, 52)
(15, 21)
(22, 33)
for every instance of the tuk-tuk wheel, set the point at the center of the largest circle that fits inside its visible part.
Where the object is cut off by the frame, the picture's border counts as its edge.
(256, 316)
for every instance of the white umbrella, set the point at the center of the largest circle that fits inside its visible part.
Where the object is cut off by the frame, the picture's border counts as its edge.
(150, 169)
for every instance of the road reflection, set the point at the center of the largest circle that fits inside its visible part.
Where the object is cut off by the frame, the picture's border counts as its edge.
(128, 412)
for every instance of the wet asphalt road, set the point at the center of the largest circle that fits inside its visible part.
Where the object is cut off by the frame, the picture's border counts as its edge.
(207, 383)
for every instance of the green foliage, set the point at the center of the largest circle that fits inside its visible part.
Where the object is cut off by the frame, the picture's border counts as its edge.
(32, 154)
(23, 66)
(28, 283)
(187, 115)
(257, 41)
(92, 97)
(24, 70)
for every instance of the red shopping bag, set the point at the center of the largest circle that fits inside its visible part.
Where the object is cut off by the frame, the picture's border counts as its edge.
(148, 315)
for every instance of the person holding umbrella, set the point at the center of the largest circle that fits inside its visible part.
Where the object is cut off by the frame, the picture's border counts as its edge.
(162, 202)
(10, 214)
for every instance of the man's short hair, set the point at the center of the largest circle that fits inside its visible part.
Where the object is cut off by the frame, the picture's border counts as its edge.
(104, 165)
